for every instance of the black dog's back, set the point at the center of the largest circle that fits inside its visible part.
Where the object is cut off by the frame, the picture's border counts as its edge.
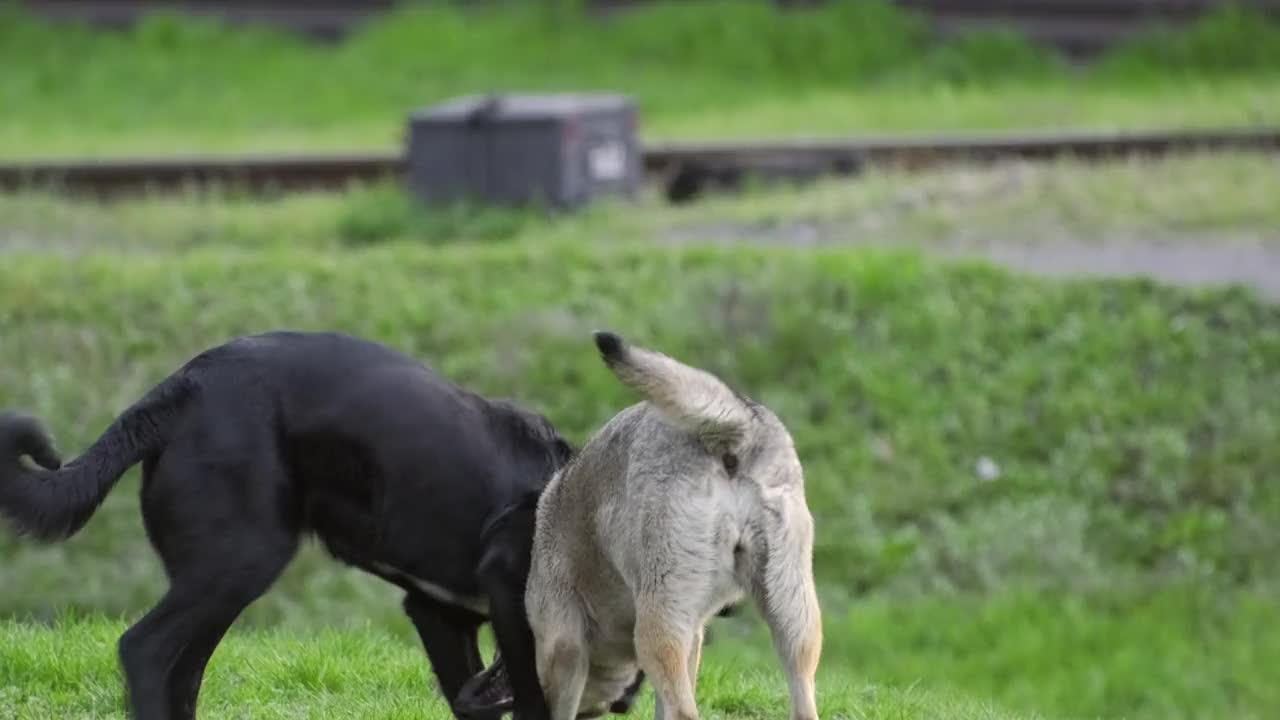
(254, 442)
(320, 414)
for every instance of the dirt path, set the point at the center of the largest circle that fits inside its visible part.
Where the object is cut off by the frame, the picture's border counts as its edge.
(1188, 259)
(1256, 265)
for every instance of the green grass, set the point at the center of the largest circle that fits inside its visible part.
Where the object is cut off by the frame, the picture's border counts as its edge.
(707, 69)
(68, 671)
(1173, 655)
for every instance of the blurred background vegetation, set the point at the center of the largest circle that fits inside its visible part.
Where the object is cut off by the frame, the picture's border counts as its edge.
(706, 69)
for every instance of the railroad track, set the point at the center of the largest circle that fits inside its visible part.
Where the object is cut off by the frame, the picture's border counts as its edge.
(1079, 28)
(685, 169)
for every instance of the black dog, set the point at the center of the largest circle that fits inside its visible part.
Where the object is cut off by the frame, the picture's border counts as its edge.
(256, 443)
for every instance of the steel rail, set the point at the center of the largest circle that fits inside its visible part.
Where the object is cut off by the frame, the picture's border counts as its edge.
(685, 165)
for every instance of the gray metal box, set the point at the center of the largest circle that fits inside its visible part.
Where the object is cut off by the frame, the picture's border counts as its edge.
(563, 150)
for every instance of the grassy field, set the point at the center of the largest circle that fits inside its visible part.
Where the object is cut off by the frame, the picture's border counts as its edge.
(1129, 419)
(710, 69)
(1167, 656)
(1185, 653)
(1178, 654)
(69, 673)
(1120, 564)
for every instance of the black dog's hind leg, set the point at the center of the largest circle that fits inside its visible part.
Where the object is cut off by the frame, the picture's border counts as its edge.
(164, 654)
(450, 635)
(188, 671)
(224, 542)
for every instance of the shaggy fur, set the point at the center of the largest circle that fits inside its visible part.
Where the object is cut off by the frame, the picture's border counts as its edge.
(510, 536)
(679, 506)
(259, 442)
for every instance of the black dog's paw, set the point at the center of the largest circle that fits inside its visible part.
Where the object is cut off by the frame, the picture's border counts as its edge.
(622, 705)
(729, 610)
(487, 695)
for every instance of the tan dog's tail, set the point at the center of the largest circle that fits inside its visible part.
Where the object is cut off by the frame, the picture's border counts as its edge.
(693, 399)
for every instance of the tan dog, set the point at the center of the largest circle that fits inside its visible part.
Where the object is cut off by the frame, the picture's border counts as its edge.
(680, 505)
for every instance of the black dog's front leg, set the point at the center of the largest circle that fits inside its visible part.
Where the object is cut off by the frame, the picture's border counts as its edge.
(622, 705)
(451, 638)
(504, 585)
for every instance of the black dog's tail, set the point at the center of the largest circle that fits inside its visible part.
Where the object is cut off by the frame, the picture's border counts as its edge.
(54, 501)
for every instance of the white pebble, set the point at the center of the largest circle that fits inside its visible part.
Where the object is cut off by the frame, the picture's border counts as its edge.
(987, 469)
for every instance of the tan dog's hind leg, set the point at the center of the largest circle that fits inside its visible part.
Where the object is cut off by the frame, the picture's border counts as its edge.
(785, 593)
(664, 652)
(563, 658)
(563, 668)
(695, 660)
(800, 652)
